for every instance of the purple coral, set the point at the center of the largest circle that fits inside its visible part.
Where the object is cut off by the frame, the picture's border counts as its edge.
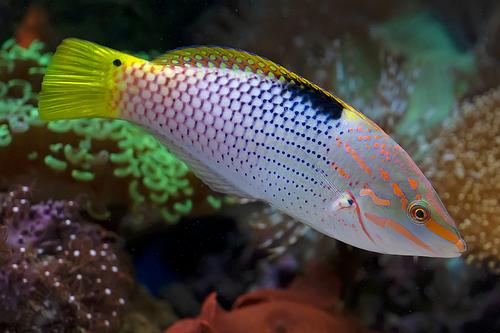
(58, 271)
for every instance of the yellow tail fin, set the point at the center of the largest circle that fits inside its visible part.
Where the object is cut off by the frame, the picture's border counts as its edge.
(79, 82)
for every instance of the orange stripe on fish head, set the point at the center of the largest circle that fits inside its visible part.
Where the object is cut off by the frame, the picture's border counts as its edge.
(446, 234)
(376, 199)
(399, 193)
(384, 222)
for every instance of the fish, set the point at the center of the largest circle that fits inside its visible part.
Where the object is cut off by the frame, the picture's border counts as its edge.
(249, 127)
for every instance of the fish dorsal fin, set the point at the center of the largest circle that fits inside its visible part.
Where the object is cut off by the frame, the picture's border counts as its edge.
(237, 60)
(222, 57)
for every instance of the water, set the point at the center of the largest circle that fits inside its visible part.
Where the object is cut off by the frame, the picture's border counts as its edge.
(104, 230)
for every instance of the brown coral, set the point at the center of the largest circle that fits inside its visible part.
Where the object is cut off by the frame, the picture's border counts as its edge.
(465, 169)
(59, 272)
(147, 314)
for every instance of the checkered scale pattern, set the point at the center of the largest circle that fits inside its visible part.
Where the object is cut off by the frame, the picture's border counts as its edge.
(267, 136)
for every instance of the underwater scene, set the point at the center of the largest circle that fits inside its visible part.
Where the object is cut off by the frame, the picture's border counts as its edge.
(232, 166)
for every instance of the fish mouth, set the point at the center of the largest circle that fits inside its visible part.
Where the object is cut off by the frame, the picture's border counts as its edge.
(461, 245)
(454, 251)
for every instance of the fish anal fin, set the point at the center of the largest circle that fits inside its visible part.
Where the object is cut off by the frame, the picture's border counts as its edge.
(276, 232)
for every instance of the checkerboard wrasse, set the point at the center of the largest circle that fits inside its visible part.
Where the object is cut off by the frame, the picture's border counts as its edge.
(249, 127)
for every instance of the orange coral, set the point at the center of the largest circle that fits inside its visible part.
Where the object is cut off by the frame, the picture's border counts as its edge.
(310, 304)
(34, 26)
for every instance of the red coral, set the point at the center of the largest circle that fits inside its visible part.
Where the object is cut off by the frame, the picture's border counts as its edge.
(34, 26)
(310, 305)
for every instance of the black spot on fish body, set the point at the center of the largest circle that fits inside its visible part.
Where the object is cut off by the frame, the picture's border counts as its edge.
(324, 104)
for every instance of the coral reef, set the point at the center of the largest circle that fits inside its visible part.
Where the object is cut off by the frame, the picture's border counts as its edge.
(401, 294)
(35, 26)
(146, 314)
(463, 164)
(59, 272)
(405, 64)
(310, 304)
(440, 64)
(115, 163)
(380, 89)
(193, 258)
(21, 65)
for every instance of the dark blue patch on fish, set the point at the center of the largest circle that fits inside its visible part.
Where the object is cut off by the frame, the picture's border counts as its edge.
(322, 103)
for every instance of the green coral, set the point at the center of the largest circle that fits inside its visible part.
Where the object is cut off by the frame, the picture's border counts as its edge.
(154, 175)
(5, 137)
(10, 53)
(428, 49)
(17, 112)
(138, 156)
(407, 76)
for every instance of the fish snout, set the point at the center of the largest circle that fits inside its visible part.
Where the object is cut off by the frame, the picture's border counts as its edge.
(461, 245)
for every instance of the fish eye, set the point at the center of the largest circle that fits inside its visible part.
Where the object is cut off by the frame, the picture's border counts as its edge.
(117, 62)
(418, 212)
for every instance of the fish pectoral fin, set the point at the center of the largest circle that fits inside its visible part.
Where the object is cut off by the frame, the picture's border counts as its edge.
(344, 201)
(347, 201)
